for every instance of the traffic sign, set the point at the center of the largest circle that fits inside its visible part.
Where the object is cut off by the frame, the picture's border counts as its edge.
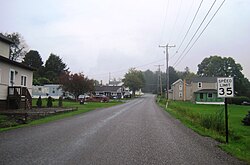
(225, 87)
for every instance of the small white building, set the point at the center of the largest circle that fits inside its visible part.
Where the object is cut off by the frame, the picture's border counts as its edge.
(47, 90)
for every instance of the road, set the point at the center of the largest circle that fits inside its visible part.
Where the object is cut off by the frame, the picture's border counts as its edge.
(137, 132)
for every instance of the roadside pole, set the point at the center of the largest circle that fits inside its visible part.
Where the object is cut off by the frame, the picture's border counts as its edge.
(225, 89)
(226, 120)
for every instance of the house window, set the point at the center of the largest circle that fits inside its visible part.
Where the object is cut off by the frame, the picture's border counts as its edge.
(209, 95)
(199, 84)
(40, 89)
(180, 87)
(23, 80)
(12, 77)
(180, 94)
(201, 96)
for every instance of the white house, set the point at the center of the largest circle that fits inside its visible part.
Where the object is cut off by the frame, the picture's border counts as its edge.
(46, 90)
(15, 79)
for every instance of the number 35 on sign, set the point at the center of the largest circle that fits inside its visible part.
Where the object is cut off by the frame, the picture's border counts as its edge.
(225, 86)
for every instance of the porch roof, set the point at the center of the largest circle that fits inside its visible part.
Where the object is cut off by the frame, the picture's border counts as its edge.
(204, 79)
(206, 91)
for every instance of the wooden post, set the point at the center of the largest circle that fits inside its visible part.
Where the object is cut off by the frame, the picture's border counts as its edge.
(226, 120)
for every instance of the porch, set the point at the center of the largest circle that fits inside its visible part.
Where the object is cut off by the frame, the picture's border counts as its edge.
(18, 97)
(207, 96)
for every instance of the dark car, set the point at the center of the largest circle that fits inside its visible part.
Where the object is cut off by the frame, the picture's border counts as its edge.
(98, 98)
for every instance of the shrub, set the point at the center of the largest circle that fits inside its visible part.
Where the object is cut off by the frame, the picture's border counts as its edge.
(60, 101)
(246, 120)
(213, 121)
(238, 100)
(49, 102)
(39, 102)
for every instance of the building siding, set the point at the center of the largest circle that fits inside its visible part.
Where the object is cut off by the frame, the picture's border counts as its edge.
(4, 49)
(5, 74)
(194, 92)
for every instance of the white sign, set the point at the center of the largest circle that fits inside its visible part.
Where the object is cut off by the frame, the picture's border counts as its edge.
(225, 87)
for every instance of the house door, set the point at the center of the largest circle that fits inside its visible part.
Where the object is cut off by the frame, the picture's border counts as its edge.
(12, 77)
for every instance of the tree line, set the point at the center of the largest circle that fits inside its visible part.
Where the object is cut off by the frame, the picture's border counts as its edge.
(213, 66)
(55, 71)
(52, 71)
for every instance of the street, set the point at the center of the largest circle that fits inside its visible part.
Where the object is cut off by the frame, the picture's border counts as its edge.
(137, 132)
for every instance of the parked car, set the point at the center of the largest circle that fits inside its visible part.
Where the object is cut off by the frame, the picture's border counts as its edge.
(80, 97)
(98, 98)
(245, 103)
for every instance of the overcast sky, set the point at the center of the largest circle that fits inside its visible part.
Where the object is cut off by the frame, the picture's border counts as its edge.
(98, 37)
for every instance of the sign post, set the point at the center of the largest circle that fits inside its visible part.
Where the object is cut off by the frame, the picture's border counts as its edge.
(225, 89)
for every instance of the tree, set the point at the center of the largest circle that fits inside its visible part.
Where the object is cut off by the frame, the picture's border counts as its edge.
(76, 84)
(150, 81)
(41, 81)
(216, 66)
(33, 59)
(39, 102)
(173, 75)
(187, 74)
(18, 49)
(134, 80)
(60, 104)
(54, 67)
(49, 102)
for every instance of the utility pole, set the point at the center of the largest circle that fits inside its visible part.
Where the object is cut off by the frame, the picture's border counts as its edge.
(109, 77)
(167, 68)
(159, 83)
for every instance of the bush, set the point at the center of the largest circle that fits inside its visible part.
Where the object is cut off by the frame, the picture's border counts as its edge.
(60, 101)
(246, 120)
(238, 100)
(39, 102)
(213, 121)
(49, 102)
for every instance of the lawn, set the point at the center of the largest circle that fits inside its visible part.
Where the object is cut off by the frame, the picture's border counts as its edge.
(82, 108)
(198, 117)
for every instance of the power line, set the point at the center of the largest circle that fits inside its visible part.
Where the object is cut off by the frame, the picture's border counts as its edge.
(183, 25)
(176, 18)
(122, 70)
(164, 23)
(197, 11)
(167, 69)
(202, 32)
(195, 32)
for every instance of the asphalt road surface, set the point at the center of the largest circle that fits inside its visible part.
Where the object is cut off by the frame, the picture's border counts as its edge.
(137, 132)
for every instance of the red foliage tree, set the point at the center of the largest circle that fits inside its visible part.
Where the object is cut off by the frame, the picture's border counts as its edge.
(76, 83)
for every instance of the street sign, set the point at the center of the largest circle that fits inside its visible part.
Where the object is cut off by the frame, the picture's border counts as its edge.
(225, 87)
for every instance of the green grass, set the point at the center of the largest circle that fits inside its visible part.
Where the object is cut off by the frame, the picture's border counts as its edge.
(196, 116)
(66, 104)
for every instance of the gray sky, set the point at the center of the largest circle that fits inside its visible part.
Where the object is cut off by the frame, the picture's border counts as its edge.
(101, 36)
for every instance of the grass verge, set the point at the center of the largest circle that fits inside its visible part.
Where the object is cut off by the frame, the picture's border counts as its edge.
(82, 108)
(208, 120)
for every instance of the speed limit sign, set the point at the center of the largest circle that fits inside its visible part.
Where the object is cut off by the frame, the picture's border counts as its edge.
(225, 87)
